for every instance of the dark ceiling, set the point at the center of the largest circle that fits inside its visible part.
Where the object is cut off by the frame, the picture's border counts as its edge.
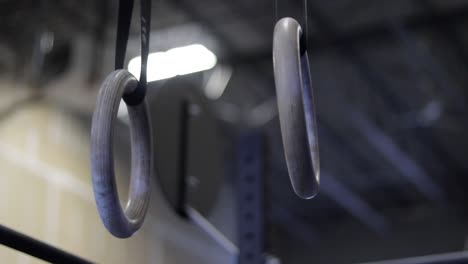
(388, 78)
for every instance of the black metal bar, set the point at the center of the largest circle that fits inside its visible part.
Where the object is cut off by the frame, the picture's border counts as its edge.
(36, 248)
(448, 258)
(181, 204)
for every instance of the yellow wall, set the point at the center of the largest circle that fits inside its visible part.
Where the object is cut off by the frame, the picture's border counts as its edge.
(46, 192)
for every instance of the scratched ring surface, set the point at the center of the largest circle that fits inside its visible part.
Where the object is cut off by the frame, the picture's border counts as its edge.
(296, 108)
(120, 222)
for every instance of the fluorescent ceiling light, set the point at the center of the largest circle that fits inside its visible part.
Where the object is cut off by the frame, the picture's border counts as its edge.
(176, 61)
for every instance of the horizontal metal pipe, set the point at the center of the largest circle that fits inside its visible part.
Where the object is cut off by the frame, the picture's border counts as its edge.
(448, 258)
(36, 248)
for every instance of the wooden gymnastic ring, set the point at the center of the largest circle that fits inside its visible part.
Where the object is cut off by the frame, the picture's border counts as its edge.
(121, 223)
(296, 108)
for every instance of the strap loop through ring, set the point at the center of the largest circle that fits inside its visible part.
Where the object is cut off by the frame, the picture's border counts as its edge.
(121, 223)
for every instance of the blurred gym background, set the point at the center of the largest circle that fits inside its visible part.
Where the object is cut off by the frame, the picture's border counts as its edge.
(388, 78)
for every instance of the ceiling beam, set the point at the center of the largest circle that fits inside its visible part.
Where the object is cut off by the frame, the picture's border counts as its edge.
(364, 34)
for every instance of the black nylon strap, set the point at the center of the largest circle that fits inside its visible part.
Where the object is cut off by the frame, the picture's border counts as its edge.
(123, 31)
(303, 44)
